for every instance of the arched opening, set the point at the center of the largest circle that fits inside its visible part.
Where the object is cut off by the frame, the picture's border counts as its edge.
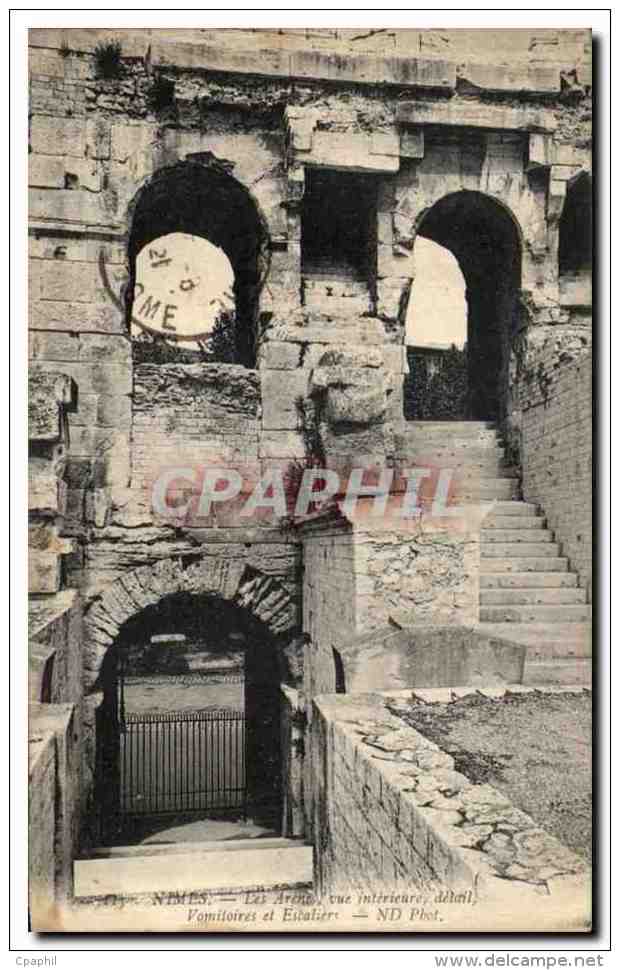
(436, 336)
(193, 228)
(575, 251)
(483, 238)
(575, 246)
(188, 732)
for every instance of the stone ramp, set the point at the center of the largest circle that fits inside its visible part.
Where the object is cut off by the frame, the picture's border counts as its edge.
(201, 867)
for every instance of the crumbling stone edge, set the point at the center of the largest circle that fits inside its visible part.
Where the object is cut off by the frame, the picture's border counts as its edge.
(470, 835)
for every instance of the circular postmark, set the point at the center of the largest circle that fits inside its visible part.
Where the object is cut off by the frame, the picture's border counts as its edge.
(182, 285)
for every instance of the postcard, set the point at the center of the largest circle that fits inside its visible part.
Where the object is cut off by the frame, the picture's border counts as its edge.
(310, 492)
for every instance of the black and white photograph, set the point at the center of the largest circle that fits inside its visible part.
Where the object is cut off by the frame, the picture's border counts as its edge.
(310, 479)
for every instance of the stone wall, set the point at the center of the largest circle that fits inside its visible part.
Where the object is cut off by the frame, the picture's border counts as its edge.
(556, 450)
(292, 747)
(42, 825)
(429, 573)
(392, 814)
(430, 655)
(329, 605)
(356, 578)
(61, 723)
(55, 648)
(263, 119)
(193, 415)
(541, 47)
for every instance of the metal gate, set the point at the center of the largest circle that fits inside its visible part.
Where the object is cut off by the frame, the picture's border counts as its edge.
(183, 762)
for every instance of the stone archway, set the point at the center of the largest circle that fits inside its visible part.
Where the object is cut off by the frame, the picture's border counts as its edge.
(200, 198)
(275, 651)
(263, 596)
(484, 236)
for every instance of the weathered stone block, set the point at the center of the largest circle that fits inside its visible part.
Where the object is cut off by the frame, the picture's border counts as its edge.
(98, 138)
(48, 392)
(79, 205)
(391, 294)
(540, 150)
(343, 375)
(104, 347)
(114, 411)
(355, 357)
(46, 493)
(76, 317)
(44, 572)
(85, 414)
(45, 172)
(356, 405)
(385, 143)
(279, 355)
(45, 63)
(412, 143)
(42, 824)
(59, 280)
(395, 359)
(57, 136)
(53, 346)
(350, 150)
(281, 444)
(501, 79)
(126, 140)
(82, 173)
(476, 115)
(279, 399)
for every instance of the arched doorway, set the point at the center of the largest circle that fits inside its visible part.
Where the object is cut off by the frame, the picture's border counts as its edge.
(436, 337)
(483, 237)
(180, 622)
(189, 725)
(575, 233)
(197, 200)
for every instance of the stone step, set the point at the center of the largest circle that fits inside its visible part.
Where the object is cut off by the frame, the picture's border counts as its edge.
(466, 466)
(544, 647)
(481, 447)
(467, 469)
(521, 597)
(485, 489)
(560, 672)
(527, 580)
(575, 638)
(172, 848)
(195, 870)
(515, 535)
(535, 614)
(514, 522)
(525, 564)
(459, 446)
(515, 508)
(454, 427)
(506, 550)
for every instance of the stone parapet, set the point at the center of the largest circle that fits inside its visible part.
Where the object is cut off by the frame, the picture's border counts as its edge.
(392, 814)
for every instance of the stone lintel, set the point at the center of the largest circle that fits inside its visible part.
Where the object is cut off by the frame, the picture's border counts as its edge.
(503, 79)
(471, 114)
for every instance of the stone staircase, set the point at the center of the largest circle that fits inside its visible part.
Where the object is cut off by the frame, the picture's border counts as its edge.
(527, 591)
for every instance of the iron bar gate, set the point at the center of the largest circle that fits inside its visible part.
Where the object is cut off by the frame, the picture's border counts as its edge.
(183, 762)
